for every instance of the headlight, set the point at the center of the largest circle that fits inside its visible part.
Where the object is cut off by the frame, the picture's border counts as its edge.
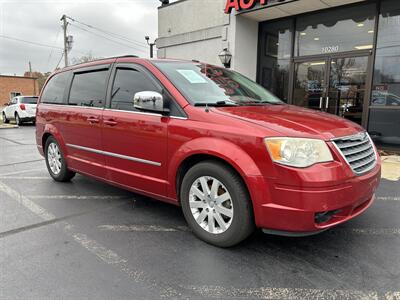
(298, 152)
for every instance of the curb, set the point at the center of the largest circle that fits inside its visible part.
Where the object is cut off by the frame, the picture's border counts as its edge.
(391, 159)
(4, 126)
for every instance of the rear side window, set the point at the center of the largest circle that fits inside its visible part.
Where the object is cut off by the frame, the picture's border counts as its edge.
(89, 89)
(127, 83)
(28, 100)
(54, 90)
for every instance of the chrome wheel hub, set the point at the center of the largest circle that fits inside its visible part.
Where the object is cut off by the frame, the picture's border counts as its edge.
(211, 204)
(54, 158)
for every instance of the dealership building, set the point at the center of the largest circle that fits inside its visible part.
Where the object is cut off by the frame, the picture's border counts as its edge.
(338, 56)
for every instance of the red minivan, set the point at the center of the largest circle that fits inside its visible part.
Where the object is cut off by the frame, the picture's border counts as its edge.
(230, 153)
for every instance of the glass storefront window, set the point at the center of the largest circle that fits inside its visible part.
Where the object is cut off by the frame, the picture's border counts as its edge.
(384, 120)
(275, 54)
(340, 30)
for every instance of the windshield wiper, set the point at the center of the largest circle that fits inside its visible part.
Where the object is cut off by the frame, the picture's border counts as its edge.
(215, 104)
(259, 102)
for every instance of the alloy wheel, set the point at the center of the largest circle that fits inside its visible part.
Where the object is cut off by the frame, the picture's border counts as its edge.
(54, 158)
(211, 204)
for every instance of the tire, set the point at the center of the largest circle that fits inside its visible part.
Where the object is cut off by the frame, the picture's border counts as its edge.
(55, 162)
(18, 119)
(236, 214)
(5, 120)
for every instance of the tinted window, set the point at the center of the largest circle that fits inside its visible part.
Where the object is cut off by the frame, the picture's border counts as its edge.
(54, 90)
(384, 119)
(88, 89)
(28, 100)
(275, 53)
(346, 29)
(127, 83)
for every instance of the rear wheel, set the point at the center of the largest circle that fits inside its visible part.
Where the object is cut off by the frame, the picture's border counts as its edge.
(216, 204)
(55, 162)
(4, 118)
(18, 119)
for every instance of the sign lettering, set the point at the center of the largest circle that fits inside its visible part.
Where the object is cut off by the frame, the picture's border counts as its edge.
(239, 5)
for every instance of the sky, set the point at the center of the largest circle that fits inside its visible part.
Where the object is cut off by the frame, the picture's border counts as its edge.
(38, 21)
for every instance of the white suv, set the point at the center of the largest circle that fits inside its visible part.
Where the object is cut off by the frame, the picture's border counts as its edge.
(21, 109)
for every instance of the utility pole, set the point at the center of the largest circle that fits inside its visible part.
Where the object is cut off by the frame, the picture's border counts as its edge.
(65, 24)
(147, 38)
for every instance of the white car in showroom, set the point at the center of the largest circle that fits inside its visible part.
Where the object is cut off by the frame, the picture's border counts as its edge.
(21, 109)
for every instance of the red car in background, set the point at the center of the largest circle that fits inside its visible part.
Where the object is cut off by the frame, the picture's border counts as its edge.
(209, 139)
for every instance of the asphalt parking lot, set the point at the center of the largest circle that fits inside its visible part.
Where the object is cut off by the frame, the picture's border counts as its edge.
(86, 239)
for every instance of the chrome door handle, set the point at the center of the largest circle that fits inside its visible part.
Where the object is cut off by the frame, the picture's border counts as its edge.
(111, 123)
(320, 103)
(327, 102)
(93, 120)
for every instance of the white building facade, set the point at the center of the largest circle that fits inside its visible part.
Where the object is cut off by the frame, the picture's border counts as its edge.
(339, 56)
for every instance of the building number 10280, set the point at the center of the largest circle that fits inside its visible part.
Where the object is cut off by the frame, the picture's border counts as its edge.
(330, 49)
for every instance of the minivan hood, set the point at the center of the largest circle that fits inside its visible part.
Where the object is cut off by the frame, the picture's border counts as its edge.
(293, 121)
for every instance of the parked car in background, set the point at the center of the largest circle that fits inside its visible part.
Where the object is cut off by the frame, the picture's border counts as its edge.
(230, 153)
(21, 109)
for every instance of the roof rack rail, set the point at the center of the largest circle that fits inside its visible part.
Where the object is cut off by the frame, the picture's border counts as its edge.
(105, 58)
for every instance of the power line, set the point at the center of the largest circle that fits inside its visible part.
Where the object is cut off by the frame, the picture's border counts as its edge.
(51, 53)
(114, 35)
(111, 40)
(62, 55)
(29, 42)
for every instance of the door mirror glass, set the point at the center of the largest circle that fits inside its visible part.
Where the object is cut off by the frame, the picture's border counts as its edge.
(149, 101)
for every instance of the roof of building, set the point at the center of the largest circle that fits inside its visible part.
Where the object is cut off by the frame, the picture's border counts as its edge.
(19, 77)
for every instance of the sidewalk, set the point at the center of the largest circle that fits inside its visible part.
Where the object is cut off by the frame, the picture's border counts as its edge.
(391, 167)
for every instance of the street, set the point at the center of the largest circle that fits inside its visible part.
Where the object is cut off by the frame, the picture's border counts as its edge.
(86, 239)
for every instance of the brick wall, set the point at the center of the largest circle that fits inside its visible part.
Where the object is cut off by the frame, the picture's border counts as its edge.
(25, 85)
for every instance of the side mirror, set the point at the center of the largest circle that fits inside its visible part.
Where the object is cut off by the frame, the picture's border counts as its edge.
(149, 101)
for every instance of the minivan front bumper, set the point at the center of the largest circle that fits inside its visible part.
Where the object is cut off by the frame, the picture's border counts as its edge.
(305, 210)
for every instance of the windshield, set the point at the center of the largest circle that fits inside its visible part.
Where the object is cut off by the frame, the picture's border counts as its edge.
(207, 84)
(28, 100)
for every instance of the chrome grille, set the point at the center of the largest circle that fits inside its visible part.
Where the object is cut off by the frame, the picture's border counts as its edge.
(358, 151)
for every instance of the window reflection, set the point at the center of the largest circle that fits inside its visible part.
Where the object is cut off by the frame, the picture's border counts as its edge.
(384, 120)
(335, 31)
(275, 54)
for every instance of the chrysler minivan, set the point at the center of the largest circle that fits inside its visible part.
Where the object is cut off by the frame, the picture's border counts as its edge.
(210, 140)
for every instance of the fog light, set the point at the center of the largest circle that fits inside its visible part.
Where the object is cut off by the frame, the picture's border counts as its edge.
(326, 216)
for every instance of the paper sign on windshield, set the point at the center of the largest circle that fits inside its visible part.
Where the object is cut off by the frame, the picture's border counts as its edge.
(192, 76)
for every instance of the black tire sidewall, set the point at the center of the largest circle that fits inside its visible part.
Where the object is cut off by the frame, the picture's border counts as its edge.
(242, 224)
(5, 120)
(65, 174)
(18, 119)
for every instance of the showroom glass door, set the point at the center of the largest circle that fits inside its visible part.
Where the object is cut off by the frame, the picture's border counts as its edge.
(310, 83)
(335, 84)
(348, 78)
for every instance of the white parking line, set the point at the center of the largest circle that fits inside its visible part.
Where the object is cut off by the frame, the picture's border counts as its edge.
(280, 293)
(22, 172)
(138, 228)
(77, 197)
(378, 231)
(24, 201)
(26, 177)
(388, 198)
(392, 296)
(108, 256)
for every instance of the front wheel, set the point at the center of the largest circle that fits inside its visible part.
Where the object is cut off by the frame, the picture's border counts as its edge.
(55, 162)
(4, 118)
(216, 204)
